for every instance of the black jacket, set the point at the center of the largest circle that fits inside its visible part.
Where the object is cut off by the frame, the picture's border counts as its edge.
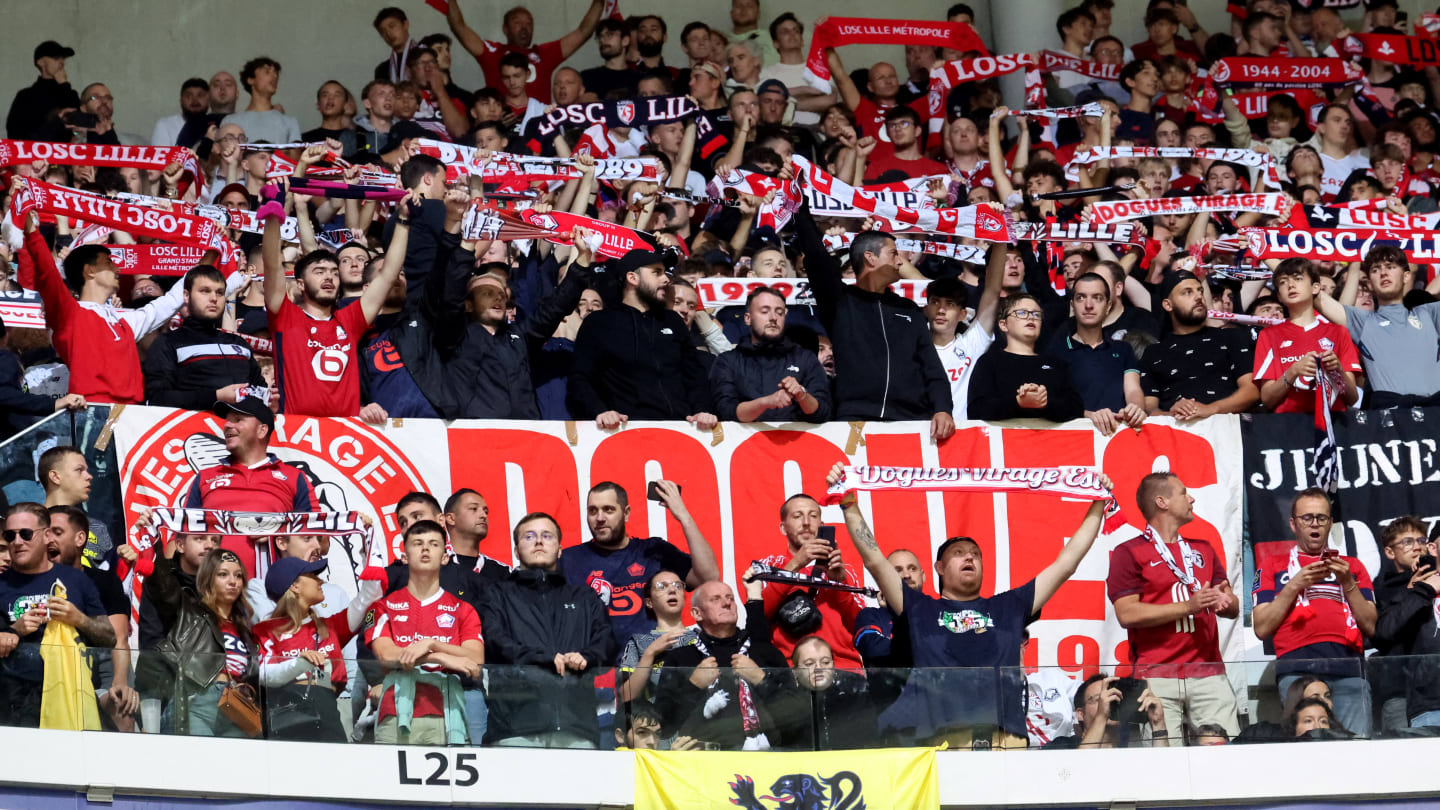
(184, 367)
(841, 716)
(193, 645)
(30, 117)
(1406, 626)
(999, 374)
(18, 408)
(1387, 677)
(682, 704)
(466, 372)
(886, 366)
(752, 370)
(527, 619)
(423, 247)
(641, 364)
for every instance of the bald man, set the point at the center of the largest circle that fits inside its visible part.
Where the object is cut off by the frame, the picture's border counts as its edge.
(567, 87)
(884, 88)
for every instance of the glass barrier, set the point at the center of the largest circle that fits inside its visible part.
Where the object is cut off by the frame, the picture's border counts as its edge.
(799, 709)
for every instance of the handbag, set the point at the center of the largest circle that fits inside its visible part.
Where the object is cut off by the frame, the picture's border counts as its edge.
(239, 705)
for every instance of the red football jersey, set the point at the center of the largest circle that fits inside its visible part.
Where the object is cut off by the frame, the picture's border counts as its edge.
(1189, 648)
(871, 118)
(404, 619)
(276, 646)
(318, 361)
(1281, 345)
(544, 58)
(1328, 620)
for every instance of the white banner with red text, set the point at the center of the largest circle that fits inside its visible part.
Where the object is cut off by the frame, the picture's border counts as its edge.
(733, 481)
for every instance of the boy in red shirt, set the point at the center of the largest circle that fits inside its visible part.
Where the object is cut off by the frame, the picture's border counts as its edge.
(1288, 355)
(317, 347)
(424, 636)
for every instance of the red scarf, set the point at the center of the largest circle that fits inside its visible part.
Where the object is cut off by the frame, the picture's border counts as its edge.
(975, 221)
(1118, 210)
(1241, 71)
(167, 226)
(154, 158)
(833, 32)
(1399, 49)
(612, 242)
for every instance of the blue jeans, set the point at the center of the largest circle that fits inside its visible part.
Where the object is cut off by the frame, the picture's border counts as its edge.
(205, 717)
(1350, 696)
(1426, 719)
(476, 714)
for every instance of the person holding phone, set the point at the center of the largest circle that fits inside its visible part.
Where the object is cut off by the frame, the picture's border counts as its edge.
(1409, 622)
(1103, 703)
(796, 612)
(1318, 609)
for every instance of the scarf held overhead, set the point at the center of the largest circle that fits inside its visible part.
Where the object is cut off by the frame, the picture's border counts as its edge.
(834, 32)
(1075, 482)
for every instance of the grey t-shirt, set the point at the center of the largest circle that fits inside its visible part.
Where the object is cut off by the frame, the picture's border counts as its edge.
(270, 126)
(1400, 348)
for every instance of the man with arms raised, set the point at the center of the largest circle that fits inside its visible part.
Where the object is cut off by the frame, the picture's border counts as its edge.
(616, 566)
(980, 635)
(317, 366)
(960, 342)
(1168, 592)
(518, 25)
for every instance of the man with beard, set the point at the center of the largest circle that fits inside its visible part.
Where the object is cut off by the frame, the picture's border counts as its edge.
(1396, 344)
(1196, 370)
(814, 557)
(636, 359)
(767, 378)
(194, 110)
(316, 346)
(617, 566)
(197, 363)
(651, 35)
(467, 519)
(614, 73)
(68, 533)
(519, 27)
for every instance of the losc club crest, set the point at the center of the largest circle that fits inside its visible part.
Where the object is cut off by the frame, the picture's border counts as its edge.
(1255, 241)
(625, 111)
(1220, 72)
(802, 791)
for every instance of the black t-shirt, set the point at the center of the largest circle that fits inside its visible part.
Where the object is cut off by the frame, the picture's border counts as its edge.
(112, 593)
(602, 80)
(1205, 366)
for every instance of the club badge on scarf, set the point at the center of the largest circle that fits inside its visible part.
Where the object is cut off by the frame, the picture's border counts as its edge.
(638, 112)
(1122, 233)
(834, 32)
(1400, 49)
(236, 219)
(613, 240)
(1338, 245)
(349, 527)
(1266, 72)
(975, 221)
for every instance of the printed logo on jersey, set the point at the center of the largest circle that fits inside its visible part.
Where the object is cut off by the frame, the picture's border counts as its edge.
(965, 621)
(636, 570)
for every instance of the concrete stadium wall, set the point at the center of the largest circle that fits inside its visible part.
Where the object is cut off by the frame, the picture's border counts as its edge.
(144, 49)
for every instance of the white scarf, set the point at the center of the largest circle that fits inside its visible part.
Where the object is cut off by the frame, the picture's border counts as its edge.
(1185, 577)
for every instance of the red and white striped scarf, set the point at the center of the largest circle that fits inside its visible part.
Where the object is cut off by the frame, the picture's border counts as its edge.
(154, 158)
(975, 221)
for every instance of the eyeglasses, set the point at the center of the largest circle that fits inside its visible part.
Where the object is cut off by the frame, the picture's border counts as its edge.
(24, 534)
(1407, 542)
(1313, 520)
(665, 587)
(531, 537)
(902, 124)
(1027, 314)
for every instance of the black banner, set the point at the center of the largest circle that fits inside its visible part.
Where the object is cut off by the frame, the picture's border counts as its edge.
(1389, 466)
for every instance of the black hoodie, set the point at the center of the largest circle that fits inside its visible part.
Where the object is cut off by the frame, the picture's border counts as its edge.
(1407, 627)
(641, 364)
(185, 367)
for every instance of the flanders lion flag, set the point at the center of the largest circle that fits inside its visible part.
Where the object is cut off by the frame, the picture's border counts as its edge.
(829, 780)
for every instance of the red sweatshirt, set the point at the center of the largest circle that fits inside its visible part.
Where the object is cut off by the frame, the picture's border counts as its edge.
(96, 341)
(837, 611)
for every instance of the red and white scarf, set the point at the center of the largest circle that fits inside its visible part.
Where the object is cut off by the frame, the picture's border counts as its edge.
(1092, 110)
(612, 241)
(1399, 49)
(716, 698)
(727, 292)
(236, 219)
(155, 260)
(834, 32)
(488, 222)
(1244, 157)
(1185, 576)
(1303, 612)
(969, 254)
(175, 227)
(154, 158)
(1074, 482)
(1123, 233)
(975, 221)
(1120, 210)
(1274, 73)
(503, 167)
(1242, 318)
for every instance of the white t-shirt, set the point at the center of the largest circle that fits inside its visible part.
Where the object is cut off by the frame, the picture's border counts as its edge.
(1337, 169)
(959, 356)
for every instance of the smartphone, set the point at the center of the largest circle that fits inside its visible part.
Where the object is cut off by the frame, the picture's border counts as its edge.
(82, 120)
(652, 492)
(1127, 711)
(1425, 559)
(827, 533)
(1329, 554)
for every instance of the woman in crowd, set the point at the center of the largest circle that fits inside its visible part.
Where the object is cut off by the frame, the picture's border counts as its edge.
(208, 640)
(302, 664)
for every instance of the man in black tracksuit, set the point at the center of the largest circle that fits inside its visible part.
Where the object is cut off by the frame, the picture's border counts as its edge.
(886, 365)
(545, 640)
(635, 361)
(197, 364)
(766, 378)
(1407, 624)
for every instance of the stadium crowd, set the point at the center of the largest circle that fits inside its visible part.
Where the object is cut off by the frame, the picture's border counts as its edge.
(379, 266)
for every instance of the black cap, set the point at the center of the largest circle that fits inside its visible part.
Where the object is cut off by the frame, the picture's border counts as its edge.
(285, 571)
(774, 85)
(950, 542)
(1171, 281)
(52, 50)
(636, 259)
(249, 406)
